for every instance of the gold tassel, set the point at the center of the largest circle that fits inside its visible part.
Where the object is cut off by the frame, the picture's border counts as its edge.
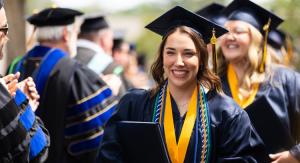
(213, 41)
(290, 50)
(266, 29)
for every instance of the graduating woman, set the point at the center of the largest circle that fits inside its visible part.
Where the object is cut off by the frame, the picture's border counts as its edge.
(269, 93)
(199, 124)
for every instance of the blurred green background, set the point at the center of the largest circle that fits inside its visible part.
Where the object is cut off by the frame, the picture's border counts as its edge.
(132, 18)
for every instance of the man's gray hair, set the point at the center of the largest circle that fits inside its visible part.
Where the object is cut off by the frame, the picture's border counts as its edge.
(51, 33)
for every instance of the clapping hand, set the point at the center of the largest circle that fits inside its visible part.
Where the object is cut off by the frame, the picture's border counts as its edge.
(10, 83)
(28, 87)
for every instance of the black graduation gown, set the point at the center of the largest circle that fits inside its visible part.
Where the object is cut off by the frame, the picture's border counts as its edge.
(12, 132)
(281, 93)
(23, 138)
(74, 105)
(233, 138)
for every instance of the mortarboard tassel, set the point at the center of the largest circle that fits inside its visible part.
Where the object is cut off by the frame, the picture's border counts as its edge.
(290, 50)
(266, 29)
(213, 42)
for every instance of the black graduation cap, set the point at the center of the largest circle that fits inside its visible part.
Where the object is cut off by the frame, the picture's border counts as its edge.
(1, 4)
(54, 17)
(94, 24)
(276, 38)
(247, 11)
(213, 12)
(179, 16)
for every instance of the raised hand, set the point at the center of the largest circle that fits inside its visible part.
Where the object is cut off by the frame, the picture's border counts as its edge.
(113, 81)
(29, 88)
(10, 82)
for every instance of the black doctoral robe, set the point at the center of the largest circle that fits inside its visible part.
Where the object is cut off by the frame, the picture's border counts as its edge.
(74, 105)
(12, 133)
(23, 138)
(233, 138)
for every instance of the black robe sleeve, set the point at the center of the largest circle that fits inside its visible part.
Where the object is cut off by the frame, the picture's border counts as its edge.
(292, 84)
(39, 136)
(239, 142)
(75, 106)
(14, 140)
(233, 137)
(90, 105)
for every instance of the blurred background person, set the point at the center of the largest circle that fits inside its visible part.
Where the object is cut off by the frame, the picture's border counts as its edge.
(126, 55)
(94, 49)
(281, 48)
(120, 54)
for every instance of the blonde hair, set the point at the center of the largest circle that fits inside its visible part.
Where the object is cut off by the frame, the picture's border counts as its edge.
(252, 60)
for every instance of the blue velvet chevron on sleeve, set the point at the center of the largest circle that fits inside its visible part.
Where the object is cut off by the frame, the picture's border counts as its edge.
(39, 139)
(86, 120)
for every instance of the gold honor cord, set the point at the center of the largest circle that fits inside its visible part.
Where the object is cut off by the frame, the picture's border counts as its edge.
(205, 131)
(213, 41)
(234, 87)
(178, 151)
(266, 29)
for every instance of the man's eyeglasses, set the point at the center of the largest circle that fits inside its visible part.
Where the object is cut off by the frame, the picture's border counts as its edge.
(4, 30)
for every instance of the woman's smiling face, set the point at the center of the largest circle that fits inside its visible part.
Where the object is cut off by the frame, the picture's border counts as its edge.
(235, 44)
(180, 60)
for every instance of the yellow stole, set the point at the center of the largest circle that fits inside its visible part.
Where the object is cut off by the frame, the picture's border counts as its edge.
(178, 151)
(234, 88)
